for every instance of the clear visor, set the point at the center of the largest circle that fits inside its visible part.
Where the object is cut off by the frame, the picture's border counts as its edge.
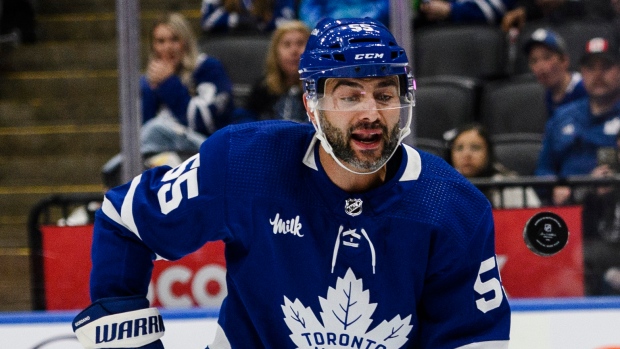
(371, 116)
(352, 97)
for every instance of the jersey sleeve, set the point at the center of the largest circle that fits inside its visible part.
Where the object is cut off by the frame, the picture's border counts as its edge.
(210, 107)
(163, 213)
(149, 102)
(480, 11)
(463, 302)
(547, 160)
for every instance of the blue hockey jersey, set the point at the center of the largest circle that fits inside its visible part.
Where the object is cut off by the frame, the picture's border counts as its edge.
(410, 264)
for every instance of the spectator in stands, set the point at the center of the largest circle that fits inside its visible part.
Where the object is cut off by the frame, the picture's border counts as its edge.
(252, 16)
(278, 94)
(185, 96)
(463, 11)
(312, 11)
(578, 129)
(553, 11)
(470, 152)
(549, 62)
(601, 228)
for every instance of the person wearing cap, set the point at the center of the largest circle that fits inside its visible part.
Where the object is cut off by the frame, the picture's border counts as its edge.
(577, 130)
(549, 62)
(337, 234)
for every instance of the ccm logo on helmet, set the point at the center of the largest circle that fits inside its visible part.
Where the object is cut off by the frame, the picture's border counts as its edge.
(368, 55)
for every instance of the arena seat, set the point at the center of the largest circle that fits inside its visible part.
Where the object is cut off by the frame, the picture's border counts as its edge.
(477, 51)
(518, 151)
(243, 56)
(443, 103)
(514, 105)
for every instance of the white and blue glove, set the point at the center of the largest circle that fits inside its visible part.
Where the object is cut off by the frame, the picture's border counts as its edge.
(121, 322)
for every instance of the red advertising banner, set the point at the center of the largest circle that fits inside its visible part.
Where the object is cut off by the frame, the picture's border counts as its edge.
(199, 279)
(525, 274)
(66, 266)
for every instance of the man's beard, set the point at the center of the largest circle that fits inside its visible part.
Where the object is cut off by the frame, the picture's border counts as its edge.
(341, 147)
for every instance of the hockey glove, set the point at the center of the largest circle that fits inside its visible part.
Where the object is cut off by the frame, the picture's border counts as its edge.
(121, 322)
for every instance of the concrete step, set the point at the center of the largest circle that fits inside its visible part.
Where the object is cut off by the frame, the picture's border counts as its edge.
(59, 169)
(59, 84)
(86, 110)
(69, 55)
(71, 6)
(66, 55)
(98, 26)
(67, 140)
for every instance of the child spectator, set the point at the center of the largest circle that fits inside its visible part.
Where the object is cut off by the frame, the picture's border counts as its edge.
(470, 152)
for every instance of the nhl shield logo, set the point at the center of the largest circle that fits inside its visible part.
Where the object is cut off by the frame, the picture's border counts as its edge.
(353, 207)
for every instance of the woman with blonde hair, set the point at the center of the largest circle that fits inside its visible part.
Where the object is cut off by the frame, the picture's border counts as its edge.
(278, 94)
(185, 96)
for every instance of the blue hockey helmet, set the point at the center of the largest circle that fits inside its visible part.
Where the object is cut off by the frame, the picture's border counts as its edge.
(352, 48)
(355, 48)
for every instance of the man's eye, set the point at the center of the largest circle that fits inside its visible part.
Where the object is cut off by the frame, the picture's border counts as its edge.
(350, 98)
(385, 97)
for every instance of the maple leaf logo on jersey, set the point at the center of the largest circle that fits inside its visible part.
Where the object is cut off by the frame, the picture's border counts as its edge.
(346, 316)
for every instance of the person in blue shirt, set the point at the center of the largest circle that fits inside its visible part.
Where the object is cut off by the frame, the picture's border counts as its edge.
(579, 129)
(312, 11)
(185, 96)
(466, 11)
(337, 234)
(549, 62)
(245, 16)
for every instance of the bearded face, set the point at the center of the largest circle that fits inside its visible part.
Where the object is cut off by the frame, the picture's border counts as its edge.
(365, 132)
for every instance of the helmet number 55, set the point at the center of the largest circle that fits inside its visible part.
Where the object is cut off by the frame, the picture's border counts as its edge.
(358, 27)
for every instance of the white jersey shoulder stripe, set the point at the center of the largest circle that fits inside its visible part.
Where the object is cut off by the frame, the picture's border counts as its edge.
(220, 341)
(414, 165)
(111, 212)
(309, 159)
(127, 207)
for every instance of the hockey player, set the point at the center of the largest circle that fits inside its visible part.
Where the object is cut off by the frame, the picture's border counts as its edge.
(337, 235)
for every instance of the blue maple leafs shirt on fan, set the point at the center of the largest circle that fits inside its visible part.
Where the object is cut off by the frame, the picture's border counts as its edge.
(337, 234)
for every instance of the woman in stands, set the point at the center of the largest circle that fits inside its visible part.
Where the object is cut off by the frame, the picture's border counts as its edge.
(470, 152)
(278, 94)
(185, 96)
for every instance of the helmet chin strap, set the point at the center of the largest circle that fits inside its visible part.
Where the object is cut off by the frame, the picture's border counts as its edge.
(320, 135)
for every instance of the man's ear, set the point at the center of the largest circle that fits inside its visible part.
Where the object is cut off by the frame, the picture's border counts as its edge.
(307, 107)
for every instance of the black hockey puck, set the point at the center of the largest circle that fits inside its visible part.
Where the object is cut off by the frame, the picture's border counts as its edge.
(545, 234)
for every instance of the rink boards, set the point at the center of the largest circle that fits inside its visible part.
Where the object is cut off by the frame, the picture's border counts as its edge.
(588, 323)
